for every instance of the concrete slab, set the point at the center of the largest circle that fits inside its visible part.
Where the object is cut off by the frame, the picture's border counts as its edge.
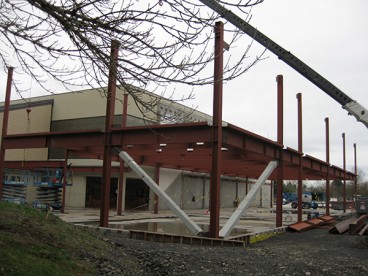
(255, 220)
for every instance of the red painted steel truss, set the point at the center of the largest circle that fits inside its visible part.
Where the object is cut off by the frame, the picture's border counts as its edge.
(177, 146)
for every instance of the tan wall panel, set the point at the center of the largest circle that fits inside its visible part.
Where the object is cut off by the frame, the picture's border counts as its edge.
(82, 104)
(134, 109)
(38, 121)
(76, 193)
(91, 103)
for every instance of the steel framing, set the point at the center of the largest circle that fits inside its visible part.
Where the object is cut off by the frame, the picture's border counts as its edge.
(244, 154)
(190, 146)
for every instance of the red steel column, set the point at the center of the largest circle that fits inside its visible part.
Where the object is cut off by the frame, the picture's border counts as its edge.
(355, 171)
(328, 166)
(125, 111)
(121, 190)
(5, 126)
(280, 140)
(65, 170)
(271, 194)
(216, 133)
(246, 185)
(300, 149)
(110, 110)
(344, 166)
(157, 180)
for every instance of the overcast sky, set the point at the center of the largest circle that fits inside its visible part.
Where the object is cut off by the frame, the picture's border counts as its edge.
(331, 36)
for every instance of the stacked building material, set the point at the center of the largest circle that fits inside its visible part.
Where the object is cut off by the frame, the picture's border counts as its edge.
(353, 225)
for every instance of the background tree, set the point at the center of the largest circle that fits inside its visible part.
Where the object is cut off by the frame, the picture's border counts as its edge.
(337, 189)
(362, 184)
(162, 42)
(289, 186)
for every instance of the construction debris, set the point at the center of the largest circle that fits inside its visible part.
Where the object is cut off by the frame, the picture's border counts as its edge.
(364, 231)
(311, 223)
(358, 224)
(342, 226)
(353, 225)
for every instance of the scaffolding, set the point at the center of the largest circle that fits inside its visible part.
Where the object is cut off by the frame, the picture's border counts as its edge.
(51, 177)
(15, 182)
(49, 183)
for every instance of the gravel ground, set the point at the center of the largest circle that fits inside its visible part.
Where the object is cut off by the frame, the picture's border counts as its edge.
(314, 252)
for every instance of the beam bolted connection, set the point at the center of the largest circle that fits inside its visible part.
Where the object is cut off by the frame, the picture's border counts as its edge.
(192, 226)
(229, 225)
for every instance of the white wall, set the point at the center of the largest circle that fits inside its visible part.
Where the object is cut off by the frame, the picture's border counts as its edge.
(76, 193)
(168, 177)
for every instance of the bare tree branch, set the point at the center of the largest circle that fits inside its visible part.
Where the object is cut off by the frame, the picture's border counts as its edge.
(162, 42)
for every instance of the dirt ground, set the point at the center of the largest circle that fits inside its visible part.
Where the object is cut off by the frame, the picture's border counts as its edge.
(314, 252)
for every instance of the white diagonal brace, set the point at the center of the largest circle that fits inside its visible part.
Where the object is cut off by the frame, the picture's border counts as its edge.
(229, 225)
(192, 226)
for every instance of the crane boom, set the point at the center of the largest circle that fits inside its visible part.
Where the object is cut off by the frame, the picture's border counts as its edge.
(353, 108)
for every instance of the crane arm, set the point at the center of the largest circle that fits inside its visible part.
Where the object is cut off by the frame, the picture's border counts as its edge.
(353, 108)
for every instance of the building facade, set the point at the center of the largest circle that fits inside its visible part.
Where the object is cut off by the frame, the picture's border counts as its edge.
(85, 110)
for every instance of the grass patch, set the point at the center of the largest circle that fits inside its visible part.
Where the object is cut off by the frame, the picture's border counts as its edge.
(33, 242)
(39, 260)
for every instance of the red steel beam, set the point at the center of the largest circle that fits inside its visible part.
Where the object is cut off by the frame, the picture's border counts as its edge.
(194, 132)
(55, 139)
(242, 146)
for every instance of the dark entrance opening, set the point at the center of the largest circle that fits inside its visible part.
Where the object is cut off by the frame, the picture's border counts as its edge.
(137, 194)
(93, 192)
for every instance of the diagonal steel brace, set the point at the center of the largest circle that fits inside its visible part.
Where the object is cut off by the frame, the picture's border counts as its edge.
(229, 225)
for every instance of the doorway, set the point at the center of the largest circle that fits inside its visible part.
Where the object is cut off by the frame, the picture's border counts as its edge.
(137, 195)
(93, 192)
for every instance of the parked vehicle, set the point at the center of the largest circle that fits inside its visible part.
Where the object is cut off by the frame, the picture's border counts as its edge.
(307, 202)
